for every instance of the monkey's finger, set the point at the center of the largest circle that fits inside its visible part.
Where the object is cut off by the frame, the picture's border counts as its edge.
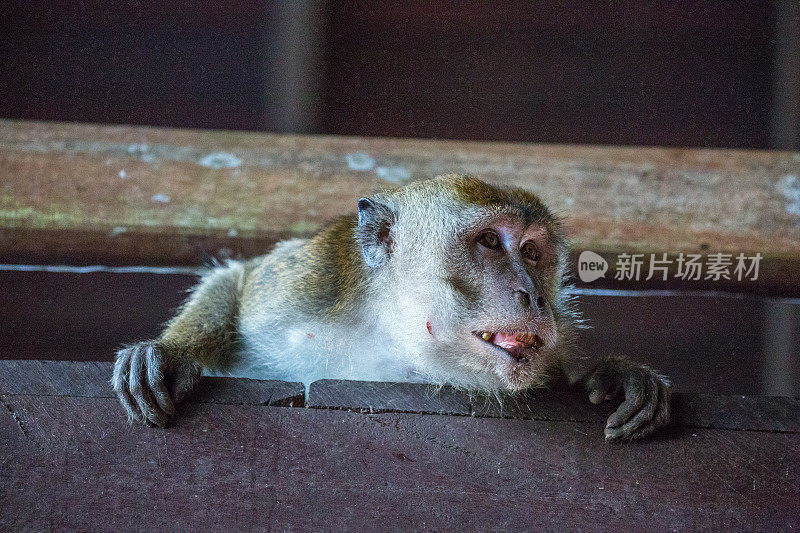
(599, 396)
(185, 380)
(623, 434)
(155, 380)
(137, 382)
(665, 401)
(603, 385)
(637, 390)
(119, 381)
(652, 416)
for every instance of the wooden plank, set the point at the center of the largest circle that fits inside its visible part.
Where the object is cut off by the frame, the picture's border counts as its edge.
(542, 404)
(241, 391)
(56, 378)
(90, 379)
(757, 413)
(378, 396)
(122, 195)
(248, 467)
(752, 413)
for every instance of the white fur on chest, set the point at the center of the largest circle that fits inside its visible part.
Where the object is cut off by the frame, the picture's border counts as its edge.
(305, 351)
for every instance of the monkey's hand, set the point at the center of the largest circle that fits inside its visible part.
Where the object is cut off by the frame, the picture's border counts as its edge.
(647, 397)
(149, 382)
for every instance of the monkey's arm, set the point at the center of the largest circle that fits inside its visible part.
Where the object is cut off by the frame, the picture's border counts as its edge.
(150, 377)
(646, 405)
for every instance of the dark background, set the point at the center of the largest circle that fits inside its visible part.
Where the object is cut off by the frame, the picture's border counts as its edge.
(716, 74)
(699, 74)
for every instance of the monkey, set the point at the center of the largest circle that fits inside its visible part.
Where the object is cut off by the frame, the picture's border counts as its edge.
(448, 281)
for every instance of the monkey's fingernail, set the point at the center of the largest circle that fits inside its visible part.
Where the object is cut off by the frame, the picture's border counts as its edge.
(595, 397)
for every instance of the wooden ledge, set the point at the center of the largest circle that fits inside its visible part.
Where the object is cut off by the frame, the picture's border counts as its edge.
(91, 380)
(235, 461)
(744, 413)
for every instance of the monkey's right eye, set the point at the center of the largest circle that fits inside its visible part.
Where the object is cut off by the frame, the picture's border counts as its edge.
(490, 240)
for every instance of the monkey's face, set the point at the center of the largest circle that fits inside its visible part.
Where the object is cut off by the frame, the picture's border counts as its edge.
(502, 278)
(476, 274)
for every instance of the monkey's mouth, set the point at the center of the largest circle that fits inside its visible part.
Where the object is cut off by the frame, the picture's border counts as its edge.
(519, 346)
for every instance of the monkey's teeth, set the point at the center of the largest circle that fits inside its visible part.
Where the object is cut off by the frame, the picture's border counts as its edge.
(513, 343)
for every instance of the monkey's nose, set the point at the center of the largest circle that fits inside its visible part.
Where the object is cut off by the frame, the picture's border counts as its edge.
(527, 301)
(524, 297)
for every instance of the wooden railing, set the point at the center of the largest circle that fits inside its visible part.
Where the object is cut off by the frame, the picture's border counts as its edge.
(82, 194)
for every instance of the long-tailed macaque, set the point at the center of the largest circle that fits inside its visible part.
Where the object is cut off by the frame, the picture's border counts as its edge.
(447, 281)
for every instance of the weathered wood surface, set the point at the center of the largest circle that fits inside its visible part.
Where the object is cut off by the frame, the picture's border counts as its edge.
(752, 413)
(123, 195)
(71, 461)
(377, 396)
(91, 379)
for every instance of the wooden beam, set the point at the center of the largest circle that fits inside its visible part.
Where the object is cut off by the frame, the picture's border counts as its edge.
(244, 465)
(77, 193)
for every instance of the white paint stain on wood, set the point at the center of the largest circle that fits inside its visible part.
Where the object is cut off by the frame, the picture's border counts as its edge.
(789, 187)
(220, 160)
(393, 174)
(360, 162)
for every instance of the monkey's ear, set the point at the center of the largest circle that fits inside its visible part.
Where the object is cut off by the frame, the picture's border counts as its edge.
(375, 221)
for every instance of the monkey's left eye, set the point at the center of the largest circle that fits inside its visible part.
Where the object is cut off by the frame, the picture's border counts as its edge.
(490, 240)
(530, 252)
